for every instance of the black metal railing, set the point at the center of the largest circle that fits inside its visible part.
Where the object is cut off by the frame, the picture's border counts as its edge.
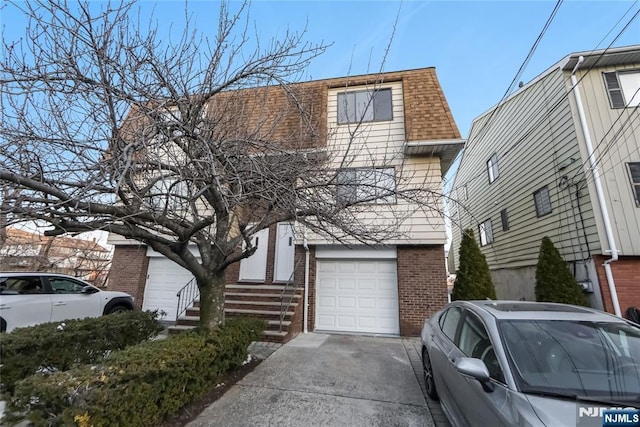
(288, 293)
(186, 296)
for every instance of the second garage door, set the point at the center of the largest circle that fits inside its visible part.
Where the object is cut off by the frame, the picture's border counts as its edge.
(165, 278)
(357, 296)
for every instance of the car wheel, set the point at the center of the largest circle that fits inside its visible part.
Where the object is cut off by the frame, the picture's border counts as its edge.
(428, 375)
(117, 309)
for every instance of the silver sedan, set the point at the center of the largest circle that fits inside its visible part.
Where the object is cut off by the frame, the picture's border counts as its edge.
(514, 363)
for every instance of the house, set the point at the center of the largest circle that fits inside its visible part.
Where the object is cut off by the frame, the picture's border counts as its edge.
(29, 251)
(379, 289)
(560, 157)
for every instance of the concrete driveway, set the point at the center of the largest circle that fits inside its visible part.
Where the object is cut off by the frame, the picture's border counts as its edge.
(326, 380)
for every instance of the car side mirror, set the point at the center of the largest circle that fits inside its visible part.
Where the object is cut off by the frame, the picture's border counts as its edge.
(88, 290)
(475, 368)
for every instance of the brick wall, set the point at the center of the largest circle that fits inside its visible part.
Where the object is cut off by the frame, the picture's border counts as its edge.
(129, 271)
(626, 274)
(422, 285)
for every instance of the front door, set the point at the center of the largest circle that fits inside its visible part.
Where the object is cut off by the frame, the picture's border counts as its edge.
(254, 268)
(285, 250)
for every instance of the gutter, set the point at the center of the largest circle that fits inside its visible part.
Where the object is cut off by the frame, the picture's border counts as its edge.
(599, 192)
(306, 282)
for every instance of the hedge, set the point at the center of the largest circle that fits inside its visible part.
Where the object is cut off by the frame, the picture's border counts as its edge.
(138, 386)
(58, 346)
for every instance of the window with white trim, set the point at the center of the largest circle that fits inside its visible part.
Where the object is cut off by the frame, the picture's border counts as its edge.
(542, 200)
(634, 174)
(486, 233)
(623, 88)
(366, 185)
(365, 105)
(492, 168)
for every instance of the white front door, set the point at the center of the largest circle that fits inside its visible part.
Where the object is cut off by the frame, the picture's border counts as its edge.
(285, 251)
(254, 268)
(357, 296)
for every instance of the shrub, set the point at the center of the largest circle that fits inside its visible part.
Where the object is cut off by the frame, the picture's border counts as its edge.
(138, 386)
(473, 279)
(58, 346)
(554, 281)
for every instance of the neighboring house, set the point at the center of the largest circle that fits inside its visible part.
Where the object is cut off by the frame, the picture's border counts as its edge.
(381, 289)
(528, 171)
(28, 251)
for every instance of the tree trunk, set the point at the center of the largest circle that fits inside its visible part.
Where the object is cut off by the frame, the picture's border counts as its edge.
(212, 301)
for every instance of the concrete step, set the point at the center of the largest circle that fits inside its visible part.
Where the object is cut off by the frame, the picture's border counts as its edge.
(261, 314)
(258, 305)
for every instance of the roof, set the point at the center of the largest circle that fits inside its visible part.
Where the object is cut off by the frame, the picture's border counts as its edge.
(530, 310)
(23, 237)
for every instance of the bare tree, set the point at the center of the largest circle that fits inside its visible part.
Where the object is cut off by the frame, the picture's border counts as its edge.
(182, 142)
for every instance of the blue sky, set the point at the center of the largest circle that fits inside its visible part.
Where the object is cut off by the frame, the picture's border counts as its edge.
(476, 46)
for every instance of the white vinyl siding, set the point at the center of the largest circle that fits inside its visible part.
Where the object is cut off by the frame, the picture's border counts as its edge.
(532, 144)
(616, 142)
(367, 185)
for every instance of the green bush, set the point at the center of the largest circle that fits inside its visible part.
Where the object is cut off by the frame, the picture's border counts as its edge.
(473, 279)
(138, 386)
(554, 281)
(54, 347)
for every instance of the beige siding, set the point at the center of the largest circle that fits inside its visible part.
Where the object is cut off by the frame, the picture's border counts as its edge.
(615, 135)
(381, 144)
(533, 135)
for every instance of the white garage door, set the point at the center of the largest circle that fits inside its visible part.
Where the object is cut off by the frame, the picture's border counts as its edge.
(165, 278)
(357, 296)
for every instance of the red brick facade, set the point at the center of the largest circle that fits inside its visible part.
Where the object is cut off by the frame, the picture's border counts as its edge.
(626, 274)
(129, 271)
(422, 285)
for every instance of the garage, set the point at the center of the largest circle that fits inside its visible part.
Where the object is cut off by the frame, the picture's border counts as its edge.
(357, 295)
(164, 279)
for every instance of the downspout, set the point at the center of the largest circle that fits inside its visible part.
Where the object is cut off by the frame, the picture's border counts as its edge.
(599, 192)
(306, 282)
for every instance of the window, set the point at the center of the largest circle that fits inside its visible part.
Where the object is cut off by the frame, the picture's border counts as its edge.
(450, 323)
(492, 168)
(542, 201)
(623, 88)
(504, 218)
(462, 193)
(634, 173)
(486, 233)
(61, 285)
(366, 185)
(475, 342)
(21, 285)
(365, 105)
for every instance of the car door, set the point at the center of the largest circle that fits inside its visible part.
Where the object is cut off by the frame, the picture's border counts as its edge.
(69, 302)
(24, 301)
(473, 401)
(443, 346)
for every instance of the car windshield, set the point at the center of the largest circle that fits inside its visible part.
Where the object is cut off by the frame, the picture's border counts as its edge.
(574, 358)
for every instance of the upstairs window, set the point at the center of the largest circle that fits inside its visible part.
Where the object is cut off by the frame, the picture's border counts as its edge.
(623, 88)
(365, 105)
(504, 218)
(486, 233)
(366, 185)
(634, 174)
(492, 168)
(542, 201)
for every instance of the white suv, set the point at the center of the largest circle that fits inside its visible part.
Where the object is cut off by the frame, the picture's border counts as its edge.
(28, 299)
